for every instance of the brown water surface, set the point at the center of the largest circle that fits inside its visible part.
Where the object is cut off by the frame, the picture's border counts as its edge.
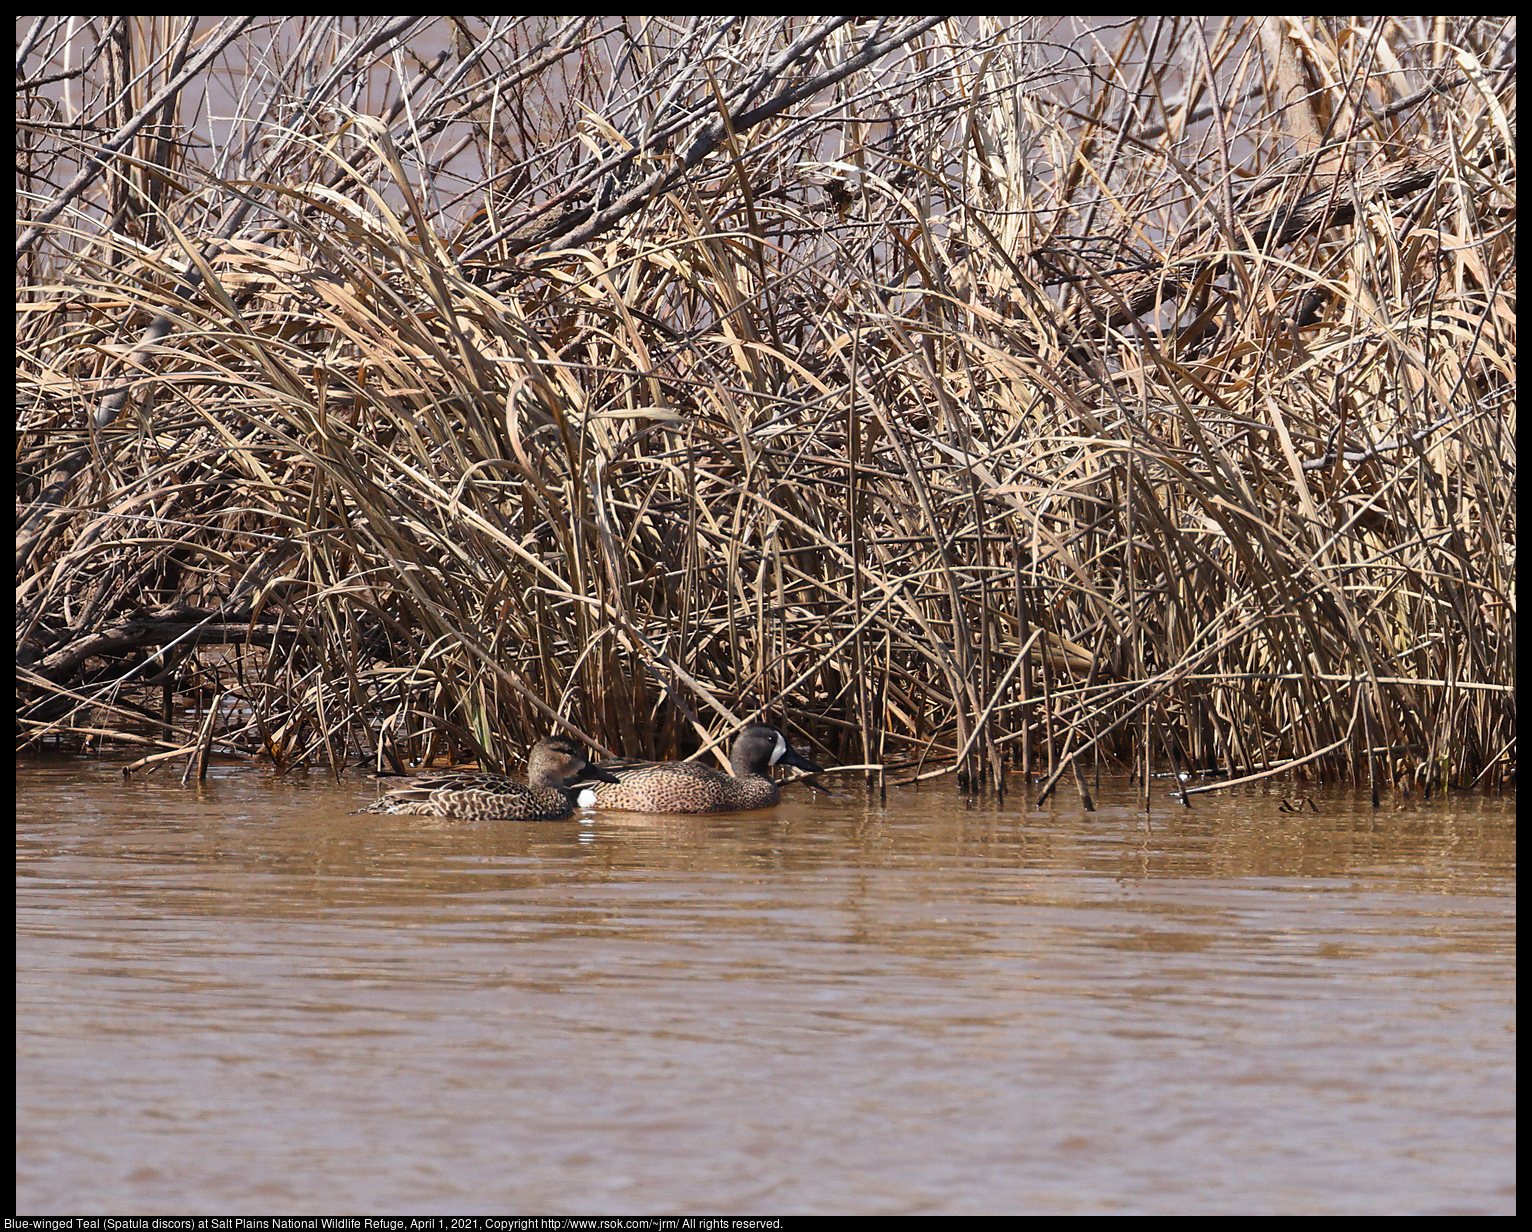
(237, 999)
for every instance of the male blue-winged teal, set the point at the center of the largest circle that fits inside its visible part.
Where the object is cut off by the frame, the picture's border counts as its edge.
(690, 787)
(474, 796)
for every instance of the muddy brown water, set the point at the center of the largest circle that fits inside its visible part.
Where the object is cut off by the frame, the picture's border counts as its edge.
(237, 999)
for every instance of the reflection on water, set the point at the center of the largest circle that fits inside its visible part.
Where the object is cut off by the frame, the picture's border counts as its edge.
(238, 999)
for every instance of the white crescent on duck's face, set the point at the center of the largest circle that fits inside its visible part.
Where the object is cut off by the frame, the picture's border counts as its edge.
(776, 753)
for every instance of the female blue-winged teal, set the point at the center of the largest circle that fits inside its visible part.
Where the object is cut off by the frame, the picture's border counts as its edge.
(473, 796)
(690, 787)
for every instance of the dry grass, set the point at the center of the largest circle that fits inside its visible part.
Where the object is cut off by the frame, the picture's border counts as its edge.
(948, 395)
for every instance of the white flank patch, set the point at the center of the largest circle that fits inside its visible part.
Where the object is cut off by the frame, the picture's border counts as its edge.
(776, 753)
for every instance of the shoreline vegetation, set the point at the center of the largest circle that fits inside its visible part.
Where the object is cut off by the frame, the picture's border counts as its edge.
(959, 396)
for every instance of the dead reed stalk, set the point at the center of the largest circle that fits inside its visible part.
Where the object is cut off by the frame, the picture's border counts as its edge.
(948, 391)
